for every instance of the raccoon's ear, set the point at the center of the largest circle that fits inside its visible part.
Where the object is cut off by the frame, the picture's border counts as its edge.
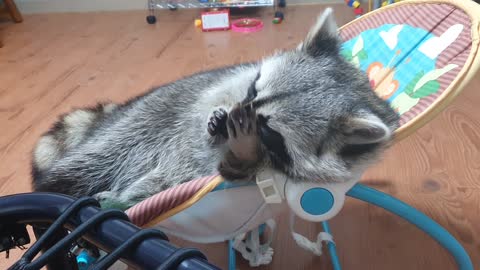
(366, 129)
(323, 36)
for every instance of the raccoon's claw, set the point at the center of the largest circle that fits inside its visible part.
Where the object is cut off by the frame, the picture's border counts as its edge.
(242, 131)
(217, 123)
(245, 153)
(242, 120)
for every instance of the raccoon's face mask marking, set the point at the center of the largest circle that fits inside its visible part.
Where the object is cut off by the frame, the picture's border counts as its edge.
(318, 117)
(270, 138)
(252, 91)
(274, 143)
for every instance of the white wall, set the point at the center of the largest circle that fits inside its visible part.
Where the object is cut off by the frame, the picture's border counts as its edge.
(43, 6)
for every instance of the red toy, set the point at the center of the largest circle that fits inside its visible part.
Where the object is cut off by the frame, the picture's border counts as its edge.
(247, 25)
(357, 10)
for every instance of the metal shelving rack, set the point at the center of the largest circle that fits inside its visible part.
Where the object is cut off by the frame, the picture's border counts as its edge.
(154, 5)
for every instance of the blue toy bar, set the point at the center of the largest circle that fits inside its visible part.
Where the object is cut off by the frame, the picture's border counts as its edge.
(332, 248)
(401, 209)
(417, 218)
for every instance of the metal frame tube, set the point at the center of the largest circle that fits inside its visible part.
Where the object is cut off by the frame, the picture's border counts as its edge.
(34, 208)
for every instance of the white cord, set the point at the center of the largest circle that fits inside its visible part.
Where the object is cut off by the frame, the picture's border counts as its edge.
(251, 249)
(303, 242)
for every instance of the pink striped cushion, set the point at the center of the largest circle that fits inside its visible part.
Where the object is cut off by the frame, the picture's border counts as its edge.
(145, 211)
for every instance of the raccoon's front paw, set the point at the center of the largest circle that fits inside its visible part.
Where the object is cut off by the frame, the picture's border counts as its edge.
(242, 131)
(217, 123)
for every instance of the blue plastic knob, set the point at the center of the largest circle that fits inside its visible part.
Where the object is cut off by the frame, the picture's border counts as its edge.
(84, 260)
(317, 201)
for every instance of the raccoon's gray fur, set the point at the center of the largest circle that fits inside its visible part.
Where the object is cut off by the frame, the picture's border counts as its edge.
(307, 113)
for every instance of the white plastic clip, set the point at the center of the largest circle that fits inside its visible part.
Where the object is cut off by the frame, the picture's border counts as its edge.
(266, 182)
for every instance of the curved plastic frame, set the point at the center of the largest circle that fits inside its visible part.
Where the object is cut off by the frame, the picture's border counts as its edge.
(417, 218)
(387, 202)
(293, 193)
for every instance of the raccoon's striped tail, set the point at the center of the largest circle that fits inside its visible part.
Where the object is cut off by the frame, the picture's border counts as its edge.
(68, 132)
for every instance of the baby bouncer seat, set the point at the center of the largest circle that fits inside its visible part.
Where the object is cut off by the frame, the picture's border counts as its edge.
(418, 55)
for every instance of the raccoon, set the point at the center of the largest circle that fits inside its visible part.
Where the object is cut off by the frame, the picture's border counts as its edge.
(305, 112)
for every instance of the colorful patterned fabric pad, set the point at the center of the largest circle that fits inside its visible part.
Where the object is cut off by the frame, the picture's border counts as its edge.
(410, 53)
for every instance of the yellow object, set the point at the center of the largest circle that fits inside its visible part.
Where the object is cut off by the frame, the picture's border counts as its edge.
(356, 4)
(198, 22)
(384, 3)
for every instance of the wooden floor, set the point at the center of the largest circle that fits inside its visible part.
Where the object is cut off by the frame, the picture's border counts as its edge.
(52, 63)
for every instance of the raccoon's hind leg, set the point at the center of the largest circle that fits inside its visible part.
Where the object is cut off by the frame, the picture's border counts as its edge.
(245, 154)
(67, 133)
(134, 192)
